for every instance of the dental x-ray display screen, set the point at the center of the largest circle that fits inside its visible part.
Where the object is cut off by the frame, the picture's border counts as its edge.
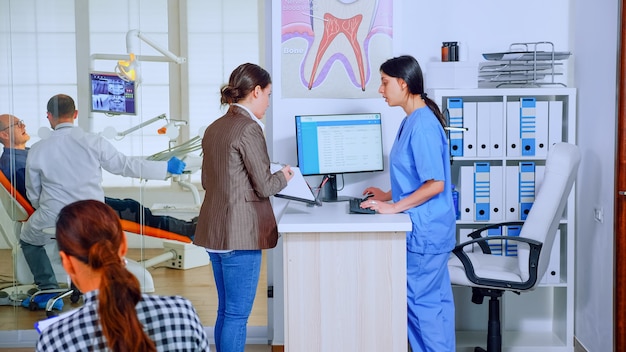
(340, 143)
(111, 94)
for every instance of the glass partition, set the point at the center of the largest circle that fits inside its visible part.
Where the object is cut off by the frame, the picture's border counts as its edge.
(79, 49)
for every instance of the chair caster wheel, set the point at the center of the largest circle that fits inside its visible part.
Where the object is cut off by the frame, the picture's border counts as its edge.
(50, 314)
(32, 306)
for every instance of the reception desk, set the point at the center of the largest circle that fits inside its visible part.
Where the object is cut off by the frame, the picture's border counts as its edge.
(344, 279)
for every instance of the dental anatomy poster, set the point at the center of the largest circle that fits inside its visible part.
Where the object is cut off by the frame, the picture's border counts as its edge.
(334, 48)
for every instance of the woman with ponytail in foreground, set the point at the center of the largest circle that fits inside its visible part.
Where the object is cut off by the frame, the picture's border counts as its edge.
(116, 316)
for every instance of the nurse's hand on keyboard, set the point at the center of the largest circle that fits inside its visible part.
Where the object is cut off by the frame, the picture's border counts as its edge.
(356, 206)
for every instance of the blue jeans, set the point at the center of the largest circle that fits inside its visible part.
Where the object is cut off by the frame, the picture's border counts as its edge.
(40, 266)
(236, 278)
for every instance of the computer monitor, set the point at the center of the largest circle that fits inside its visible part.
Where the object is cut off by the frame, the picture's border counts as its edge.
(338, 144)
(111, 94)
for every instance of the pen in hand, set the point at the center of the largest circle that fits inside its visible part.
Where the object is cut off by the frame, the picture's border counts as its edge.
(287, 172)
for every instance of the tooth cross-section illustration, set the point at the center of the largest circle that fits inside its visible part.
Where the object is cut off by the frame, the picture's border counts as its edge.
(334, 26)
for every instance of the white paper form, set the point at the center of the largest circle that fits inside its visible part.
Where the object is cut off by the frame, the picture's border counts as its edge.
(297, 188)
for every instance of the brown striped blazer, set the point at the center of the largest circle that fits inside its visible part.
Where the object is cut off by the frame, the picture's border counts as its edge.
(236, 212)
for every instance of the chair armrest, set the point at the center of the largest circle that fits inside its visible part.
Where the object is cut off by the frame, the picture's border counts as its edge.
(483, 245)
(533, 262)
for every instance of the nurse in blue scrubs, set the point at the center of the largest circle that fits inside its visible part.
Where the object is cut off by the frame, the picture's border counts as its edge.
(420, 186)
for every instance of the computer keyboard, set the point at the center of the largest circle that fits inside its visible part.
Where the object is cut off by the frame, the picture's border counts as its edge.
(356, 209)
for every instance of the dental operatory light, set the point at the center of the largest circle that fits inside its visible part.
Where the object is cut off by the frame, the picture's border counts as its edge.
(172, 129)
(130, 69)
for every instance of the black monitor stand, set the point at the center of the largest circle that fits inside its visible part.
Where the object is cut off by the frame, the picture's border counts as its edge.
(329, 191)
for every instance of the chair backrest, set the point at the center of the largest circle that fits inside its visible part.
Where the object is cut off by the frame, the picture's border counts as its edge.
(16, 206)
(19, 210)
(543, 219)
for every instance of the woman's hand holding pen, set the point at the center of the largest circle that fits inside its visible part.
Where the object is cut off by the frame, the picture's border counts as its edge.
(287, 172)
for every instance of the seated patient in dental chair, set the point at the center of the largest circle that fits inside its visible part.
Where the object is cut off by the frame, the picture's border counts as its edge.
(14, 137)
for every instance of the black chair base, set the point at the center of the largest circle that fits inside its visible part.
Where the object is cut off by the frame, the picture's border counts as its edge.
(494, 334)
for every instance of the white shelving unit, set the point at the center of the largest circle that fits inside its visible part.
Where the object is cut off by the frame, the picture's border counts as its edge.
(541, 320)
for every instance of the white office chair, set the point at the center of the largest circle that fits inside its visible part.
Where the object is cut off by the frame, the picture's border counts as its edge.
(490, 275)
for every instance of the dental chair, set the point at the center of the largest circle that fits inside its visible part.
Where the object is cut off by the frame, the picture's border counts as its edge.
(178, 251)
(18, 210)
(491, 275)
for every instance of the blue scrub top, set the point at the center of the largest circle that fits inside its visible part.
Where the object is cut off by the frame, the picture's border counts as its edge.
(420, 153)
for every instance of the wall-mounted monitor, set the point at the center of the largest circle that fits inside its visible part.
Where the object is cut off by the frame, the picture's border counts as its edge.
(110, 94)
(338, 144)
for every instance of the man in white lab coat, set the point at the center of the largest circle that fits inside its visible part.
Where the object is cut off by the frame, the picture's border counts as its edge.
(66, 167)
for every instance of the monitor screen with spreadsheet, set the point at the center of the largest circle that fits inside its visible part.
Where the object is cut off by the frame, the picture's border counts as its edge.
(339, 143)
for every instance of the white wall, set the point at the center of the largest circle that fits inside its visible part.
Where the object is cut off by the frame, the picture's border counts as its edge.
(595, 33)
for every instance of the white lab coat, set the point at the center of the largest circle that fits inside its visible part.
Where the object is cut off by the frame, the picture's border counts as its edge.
(66, 167)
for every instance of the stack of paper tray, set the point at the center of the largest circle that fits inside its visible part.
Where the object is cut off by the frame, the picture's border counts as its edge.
(522, 67)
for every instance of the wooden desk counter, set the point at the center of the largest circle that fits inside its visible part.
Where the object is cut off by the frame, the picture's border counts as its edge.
(344, 279)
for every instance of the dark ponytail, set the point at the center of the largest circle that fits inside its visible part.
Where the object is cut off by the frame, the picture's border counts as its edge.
(91, 231)
(407, 68)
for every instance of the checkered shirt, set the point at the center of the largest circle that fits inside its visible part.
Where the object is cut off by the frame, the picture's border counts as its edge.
(170, 321)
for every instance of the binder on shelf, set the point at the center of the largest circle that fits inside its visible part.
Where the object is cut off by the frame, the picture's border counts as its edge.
(496, 189)
(496, 246)
(483, 129)
(496, 129)
(455, 116)
(539, 171)
(553, 272)
(541, 129)
(481, 191)
(513, 128)
(555, 122)
(469, 122)
(527, 118)
(526, 187)
(489, 129)
(511, 193)
(510, 246)
(466, 193)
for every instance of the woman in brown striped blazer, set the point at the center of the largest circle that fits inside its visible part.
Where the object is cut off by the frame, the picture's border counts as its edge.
(236, 220)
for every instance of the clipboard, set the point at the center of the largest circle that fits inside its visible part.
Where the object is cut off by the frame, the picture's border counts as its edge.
(297, 189)
(43, 324)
